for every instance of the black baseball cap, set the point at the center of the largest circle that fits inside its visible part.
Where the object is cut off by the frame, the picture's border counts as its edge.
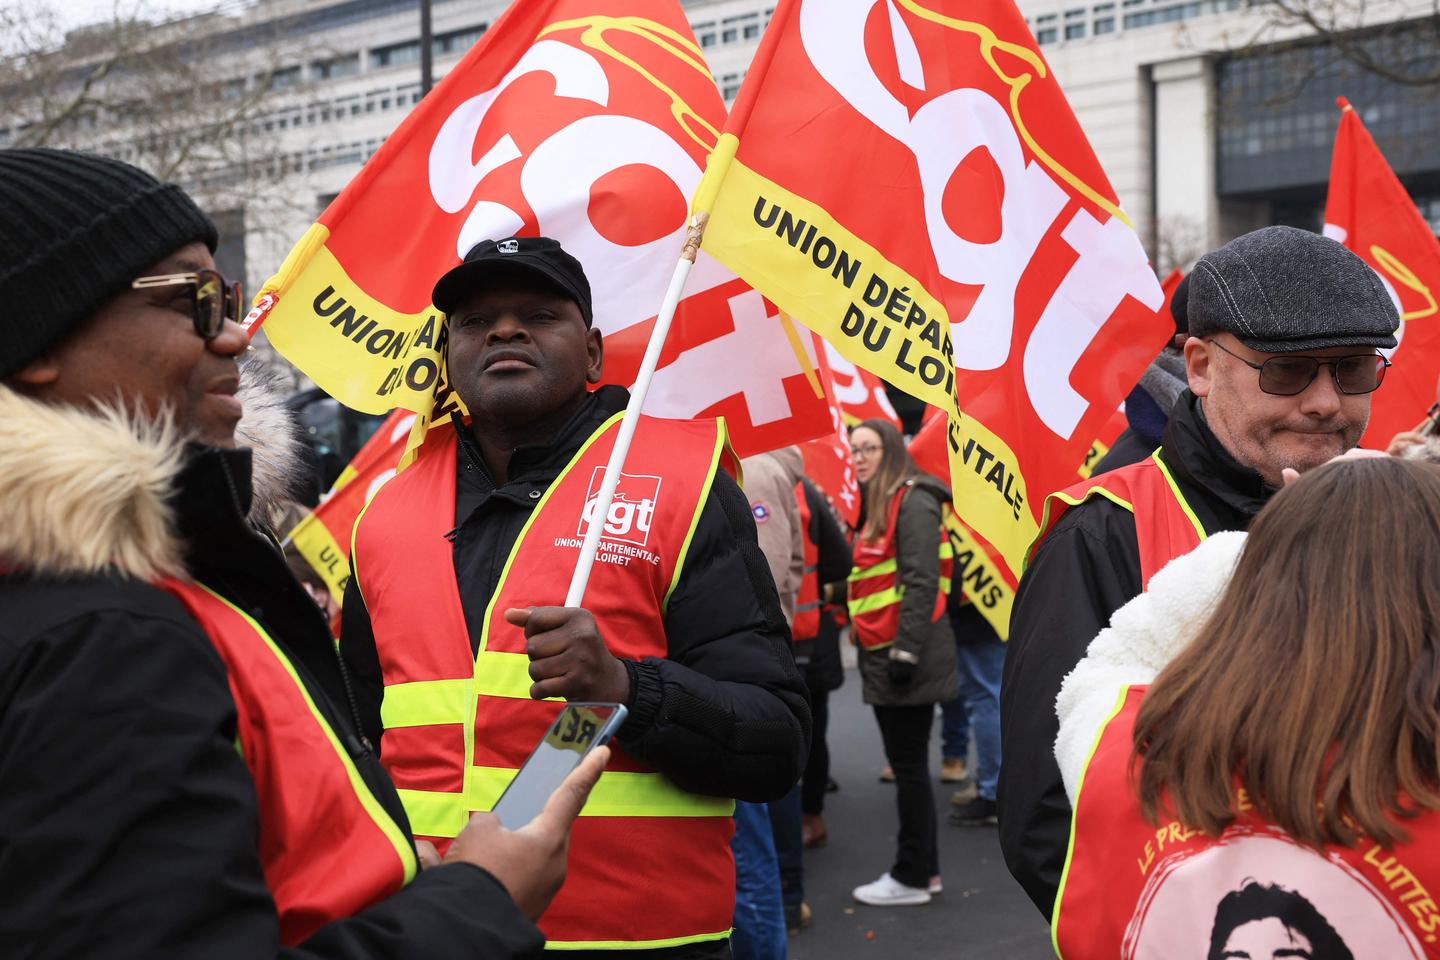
(539, 257)
(1285, 290)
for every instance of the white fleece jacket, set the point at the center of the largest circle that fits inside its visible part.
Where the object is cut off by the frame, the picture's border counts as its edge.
(1143, 637)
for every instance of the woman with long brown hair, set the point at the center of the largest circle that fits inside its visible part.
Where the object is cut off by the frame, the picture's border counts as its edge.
(1274, 790)
(906, 650)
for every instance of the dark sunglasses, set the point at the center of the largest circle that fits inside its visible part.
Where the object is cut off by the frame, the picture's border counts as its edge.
(213, 299)
(1287, 376)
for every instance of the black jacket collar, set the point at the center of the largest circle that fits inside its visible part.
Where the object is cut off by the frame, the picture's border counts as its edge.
(1207, 472)
(534, 461)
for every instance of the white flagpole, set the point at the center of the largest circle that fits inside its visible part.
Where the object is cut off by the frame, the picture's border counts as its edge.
(606, 497)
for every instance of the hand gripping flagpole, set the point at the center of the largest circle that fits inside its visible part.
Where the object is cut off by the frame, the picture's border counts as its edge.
(606, 496)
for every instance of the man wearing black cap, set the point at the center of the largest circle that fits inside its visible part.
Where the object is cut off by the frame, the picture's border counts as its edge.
(1282, 356)
(180, 771)
(453, 629)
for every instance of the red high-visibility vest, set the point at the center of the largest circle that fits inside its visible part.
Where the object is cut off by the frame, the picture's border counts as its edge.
(1165, 526)
(650, 864)
(1133, 890)
(327, 847)
(874, 584)
(807, 602)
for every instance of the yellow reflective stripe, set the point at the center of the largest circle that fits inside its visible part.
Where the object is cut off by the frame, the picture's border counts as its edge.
(945, 585)
(1070, 846)
(1179, 497)
(722, 441)
(947, 552)
(635, 944)
(618, 794)
(355, 553)
(876, 601)
(426, 702)
(880, 569)
(377, 813)
(503, 675)
(435, 813)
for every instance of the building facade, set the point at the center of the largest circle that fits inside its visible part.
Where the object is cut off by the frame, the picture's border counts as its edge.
(1209, 118)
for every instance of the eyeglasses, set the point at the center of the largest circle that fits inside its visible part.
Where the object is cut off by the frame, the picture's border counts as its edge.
(1288, 376)
(865, 452)
(213, 299)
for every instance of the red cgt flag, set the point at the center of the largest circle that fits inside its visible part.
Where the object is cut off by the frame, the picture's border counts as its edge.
(585, 120)
(906, 178)
(1369, 211)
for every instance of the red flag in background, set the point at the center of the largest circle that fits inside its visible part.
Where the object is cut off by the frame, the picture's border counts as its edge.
(828, 462)
(1168, 286)
(588, 121)
(323, 538)
(861, 394)
(1370, 212)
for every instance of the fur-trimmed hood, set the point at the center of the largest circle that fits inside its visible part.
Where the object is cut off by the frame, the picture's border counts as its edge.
(1143, 637)
(83, 492)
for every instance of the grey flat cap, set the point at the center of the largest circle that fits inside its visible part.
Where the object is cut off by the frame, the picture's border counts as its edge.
(1283, 290)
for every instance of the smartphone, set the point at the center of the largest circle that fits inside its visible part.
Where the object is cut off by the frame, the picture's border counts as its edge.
(580, 728)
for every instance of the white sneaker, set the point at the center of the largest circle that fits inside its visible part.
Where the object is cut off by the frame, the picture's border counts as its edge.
(935, 885)
(889, 892)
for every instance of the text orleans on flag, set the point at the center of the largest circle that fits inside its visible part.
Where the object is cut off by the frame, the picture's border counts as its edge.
(970, 248)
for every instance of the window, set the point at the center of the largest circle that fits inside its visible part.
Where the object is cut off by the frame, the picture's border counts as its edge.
(395, 55)
(1048, 35)
(752, 30)
(707, 39)
(459, 41)
(288, 77)
(338, 67)
(1104, 25)
(729, 35)
(1074, 31)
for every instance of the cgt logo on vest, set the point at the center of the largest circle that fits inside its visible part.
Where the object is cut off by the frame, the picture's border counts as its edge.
(632, 512)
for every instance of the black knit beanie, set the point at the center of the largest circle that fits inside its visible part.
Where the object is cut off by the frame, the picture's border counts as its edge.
(76, 229)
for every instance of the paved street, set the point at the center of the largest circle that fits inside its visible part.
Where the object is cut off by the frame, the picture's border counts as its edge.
(983, 913)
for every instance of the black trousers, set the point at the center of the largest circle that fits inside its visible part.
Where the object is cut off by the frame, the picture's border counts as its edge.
(817, 768)
(906, 734)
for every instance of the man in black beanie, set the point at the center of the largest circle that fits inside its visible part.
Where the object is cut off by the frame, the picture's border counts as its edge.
(179, 774)
(1285, 329)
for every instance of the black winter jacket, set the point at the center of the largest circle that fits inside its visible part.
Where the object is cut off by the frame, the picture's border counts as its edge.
(1085, 570)
(128, 820)
(725, 714)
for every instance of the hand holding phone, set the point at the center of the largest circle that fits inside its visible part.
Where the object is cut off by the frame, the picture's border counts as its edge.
(580, 728)
(530, 862)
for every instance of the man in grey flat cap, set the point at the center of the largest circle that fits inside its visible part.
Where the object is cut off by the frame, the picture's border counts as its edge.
(1283, 354)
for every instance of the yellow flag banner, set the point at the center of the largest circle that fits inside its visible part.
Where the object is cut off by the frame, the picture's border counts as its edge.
(978, 576)
(906, 178)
